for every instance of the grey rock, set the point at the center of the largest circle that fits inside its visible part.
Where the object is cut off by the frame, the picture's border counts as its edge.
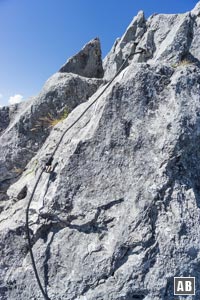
(196, 10)
(4, 118)
(119, 215)
(123, 46)
(163, 38)
(168, 38)
(87, 62)
(8, 113)
(27, 128)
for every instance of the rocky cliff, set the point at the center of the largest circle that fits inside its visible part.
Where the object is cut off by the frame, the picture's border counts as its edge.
(118, 217)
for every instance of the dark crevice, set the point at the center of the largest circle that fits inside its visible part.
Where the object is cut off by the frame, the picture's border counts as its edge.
(90, 227)
(135, 296)
(127, 128)
(192, 59)
(120, 257)
(42, 233)
(183, 230)
(110, 204)
(23, 193)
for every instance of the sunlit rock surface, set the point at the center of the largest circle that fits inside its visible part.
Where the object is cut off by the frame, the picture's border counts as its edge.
(119, 215)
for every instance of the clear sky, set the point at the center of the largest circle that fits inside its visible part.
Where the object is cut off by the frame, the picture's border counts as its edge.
(37, 36)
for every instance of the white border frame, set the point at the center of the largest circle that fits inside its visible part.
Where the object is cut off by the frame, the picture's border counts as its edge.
(184, 294)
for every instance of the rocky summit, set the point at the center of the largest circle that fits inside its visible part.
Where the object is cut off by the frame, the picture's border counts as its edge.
(117, 218)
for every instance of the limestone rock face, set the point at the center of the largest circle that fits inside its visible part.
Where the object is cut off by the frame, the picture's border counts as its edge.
(123, 46)
(27, 125)
(87, 62)
(163, 38)
(118, 217)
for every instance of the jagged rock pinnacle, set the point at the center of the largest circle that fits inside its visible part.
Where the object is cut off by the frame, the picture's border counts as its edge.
(87, 62)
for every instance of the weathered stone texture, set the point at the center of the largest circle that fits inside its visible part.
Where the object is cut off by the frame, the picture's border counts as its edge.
(119, 215)
(87, 62)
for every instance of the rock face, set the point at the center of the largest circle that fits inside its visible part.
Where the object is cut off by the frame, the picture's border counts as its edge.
(122, 47)
(26, 131)
(119, 215)
(87, 62)
(165, 38)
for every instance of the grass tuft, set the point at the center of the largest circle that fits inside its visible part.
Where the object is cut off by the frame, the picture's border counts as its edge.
(49, 121)
(18, 170)
(184, 62)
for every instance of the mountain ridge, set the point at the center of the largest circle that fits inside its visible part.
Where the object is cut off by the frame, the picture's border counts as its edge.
(118, 217)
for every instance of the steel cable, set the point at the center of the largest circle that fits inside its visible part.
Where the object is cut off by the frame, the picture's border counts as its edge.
(50, 162)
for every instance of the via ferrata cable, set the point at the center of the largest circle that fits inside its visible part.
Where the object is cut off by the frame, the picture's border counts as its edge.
(49, 162)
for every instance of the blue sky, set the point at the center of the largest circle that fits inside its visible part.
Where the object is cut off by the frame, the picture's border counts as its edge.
(37, 36)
